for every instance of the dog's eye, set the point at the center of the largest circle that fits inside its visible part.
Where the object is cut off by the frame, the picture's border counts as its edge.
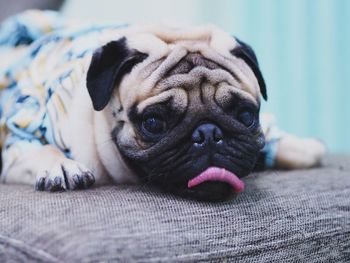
(154, 125)
(247, 117)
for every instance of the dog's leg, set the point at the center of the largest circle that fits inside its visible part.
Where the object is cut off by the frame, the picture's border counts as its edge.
(298, 153)
(287, 151)
(44, 166)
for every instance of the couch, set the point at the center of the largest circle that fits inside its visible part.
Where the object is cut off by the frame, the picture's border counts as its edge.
(283, 216)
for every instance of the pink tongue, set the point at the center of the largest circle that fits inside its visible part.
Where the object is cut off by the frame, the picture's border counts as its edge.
(218, 174)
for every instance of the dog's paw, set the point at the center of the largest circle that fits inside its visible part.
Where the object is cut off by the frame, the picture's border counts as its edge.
(63, 175)
(299, 153)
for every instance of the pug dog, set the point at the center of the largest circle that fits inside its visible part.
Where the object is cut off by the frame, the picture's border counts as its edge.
(177, 108)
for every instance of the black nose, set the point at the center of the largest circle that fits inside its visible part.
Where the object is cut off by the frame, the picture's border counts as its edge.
(207, 133)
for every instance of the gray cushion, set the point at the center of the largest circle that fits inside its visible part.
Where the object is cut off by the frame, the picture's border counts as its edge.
(297, 216)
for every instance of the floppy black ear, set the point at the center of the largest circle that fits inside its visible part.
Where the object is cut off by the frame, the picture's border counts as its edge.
(245, 52)
(108, 66)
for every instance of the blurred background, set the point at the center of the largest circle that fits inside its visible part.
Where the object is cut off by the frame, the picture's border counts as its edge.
(303, 48)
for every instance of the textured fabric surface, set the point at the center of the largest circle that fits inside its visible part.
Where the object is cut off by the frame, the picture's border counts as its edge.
(297, 216)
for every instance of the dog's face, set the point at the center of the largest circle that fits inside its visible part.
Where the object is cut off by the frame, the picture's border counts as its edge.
(185, 106)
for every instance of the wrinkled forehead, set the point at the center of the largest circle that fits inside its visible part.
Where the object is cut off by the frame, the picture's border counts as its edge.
(158, 41)
(181, 62)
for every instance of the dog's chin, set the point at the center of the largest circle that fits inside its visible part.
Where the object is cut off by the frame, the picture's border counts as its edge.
(212, 191)
(217, 181)
(189, 182)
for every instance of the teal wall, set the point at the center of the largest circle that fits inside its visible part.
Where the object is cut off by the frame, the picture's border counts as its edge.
(303, 47)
